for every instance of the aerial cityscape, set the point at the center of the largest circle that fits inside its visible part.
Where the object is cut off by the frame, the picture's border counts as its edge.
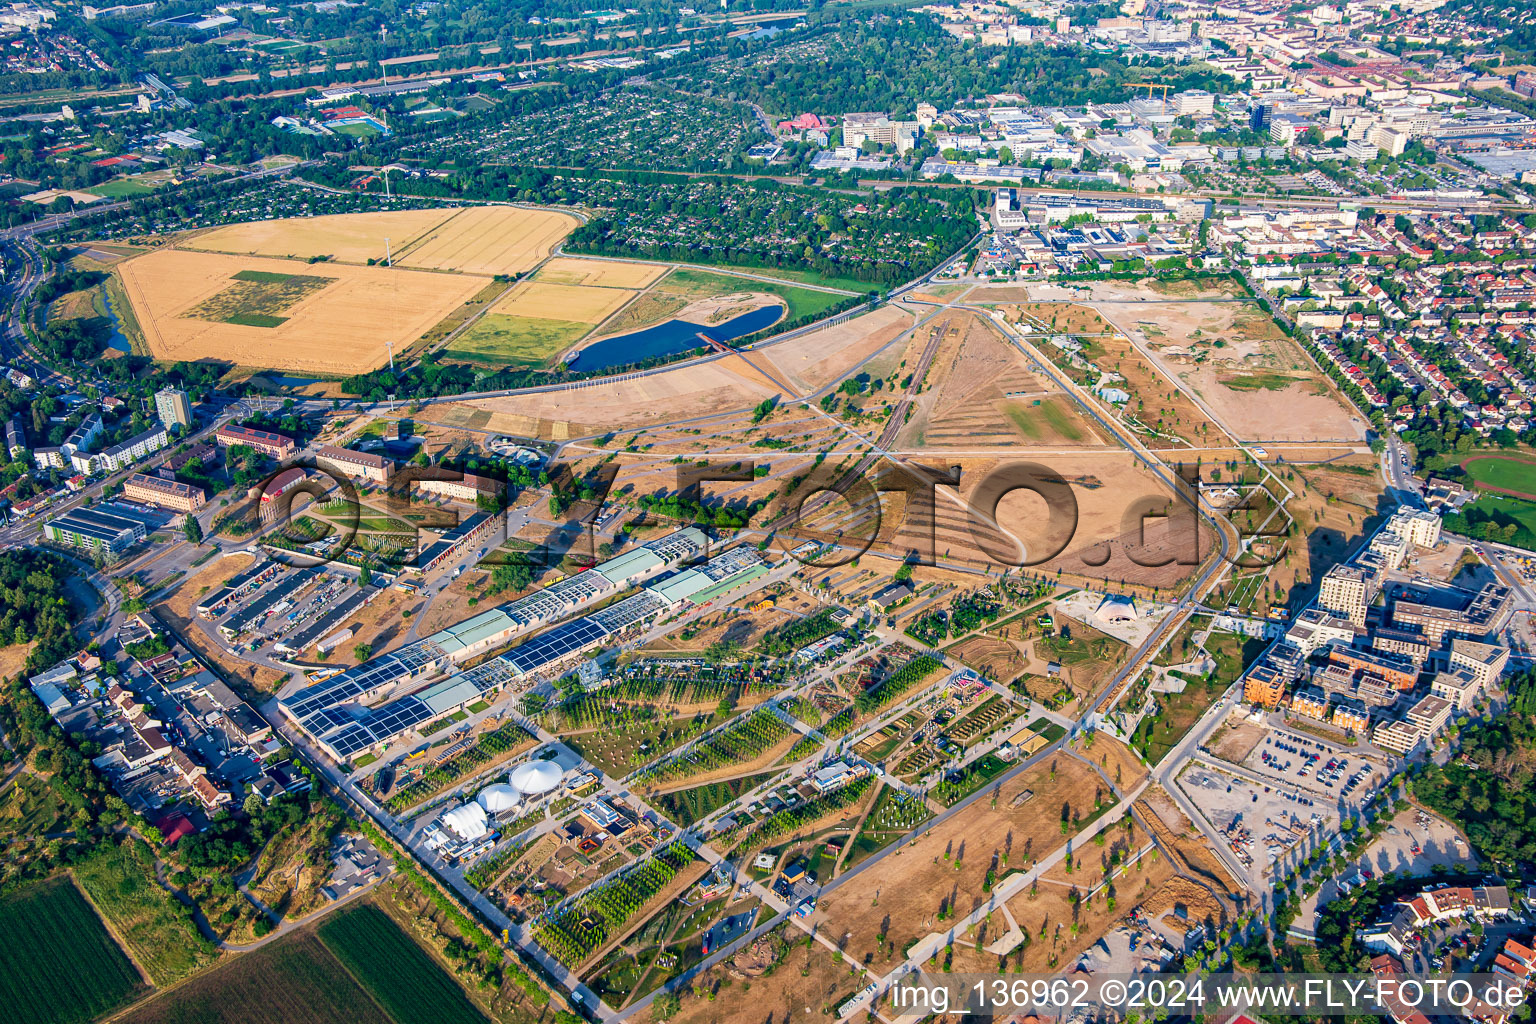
(860, 510)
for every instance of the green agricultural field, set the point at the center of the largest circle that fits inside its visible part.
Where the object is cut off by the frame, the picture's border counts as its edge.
(294, 980)
(500, 339)
(120, 881)
(58, 965)
(257, 298)
(397, 972)
(1507, 473)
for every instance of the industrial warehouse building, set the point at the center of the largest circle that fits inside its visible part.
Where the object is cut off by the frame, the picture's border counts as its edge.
(106, 528)
(332, 713)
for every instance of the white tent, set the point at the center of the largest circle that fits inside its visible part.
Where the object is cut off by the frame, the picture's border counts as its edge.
(467, 821)
(536, 777)
(498, 798)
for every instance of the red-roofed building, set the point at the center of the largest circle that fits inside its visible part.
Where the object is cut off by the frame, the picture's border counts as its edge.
(174, 827)
(802, 123)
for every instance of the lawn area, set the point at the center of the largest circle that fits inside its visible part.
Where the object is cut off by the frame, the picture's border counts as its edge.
(58, 965)
(811, 277)
(120, 881)
(1062, 420)
(1513, 518)
(698, 284)
(957, 785)
(396, 971)
(120, 188)
(1263, 380)
(1047, 729)
(1178, 712)
(501, 339)
(294, 980)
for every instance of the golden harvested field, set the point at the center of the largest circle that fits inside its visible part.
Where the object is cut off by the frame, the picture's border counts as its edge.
(490, 240)
(345, 237)
(562, 301)
(600, 273)
(338, 328)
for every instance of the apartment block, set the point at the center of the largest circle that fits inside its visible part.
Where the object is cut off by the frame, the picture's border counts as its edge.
(267, 442)
(173, 407)
(163, 493)
(361, 465)
(1346, 592)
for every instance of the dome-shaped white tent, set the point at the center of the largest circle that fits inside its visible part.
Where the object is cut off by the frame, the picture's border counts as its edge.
(498, 798)
(467, 821)
(536, 777)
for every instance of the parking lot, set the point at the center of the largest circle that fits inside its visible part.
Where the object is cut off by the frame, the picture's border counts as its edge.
(1313, 765)
(1310, 764)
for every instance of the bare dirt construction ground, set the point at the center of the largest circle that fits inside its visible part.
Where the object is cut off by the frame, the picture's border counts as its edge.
(1337, 504)
(1159, 409)
(489, 240)
(1184, 843)
(1110, 529)
(1230, 354)
(776, 978)
(194, 305)
(981, 393)
(1234, 742)
(624, 405)
(903, 896)
(822, 357)
(344, 237)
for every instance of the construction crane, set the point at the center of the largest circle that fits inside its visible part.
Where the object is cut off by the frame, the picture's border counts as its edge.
(1149, 86)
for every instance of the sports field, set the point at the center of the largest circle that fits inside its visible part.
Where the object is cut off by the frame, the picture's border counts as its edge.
(345, 237)
(1504, 474)
(58, 965)
(489, 240)
(276, 314)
